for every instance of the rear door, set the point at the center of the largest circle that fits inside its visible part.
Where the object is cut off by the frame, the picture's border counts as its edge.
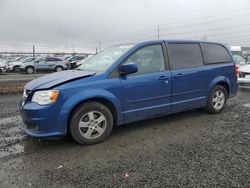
(146, 93)
(188, 76)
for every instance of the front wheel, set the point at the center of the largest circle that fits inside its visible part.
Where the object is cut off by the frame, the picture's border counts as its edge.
(91, 123)
(59, 69)
(217, 100)
(16, 69)
(30, 70)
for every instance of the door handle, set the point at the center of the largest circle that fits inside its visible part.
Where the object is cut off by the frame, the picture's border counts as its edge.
(178, 75)
(163, 78)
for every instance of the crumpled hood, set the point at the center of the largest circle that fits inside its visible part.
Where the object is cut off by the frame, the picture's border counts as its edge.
(50, 80)
(245, 68)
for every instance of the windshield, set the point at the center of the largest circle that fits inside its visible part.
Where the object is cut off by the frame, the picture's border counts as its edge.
(29, 59)
(103, 60)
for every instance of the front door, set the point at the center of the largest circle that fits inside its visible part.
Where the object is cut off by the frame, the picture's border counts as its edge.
(146, 93)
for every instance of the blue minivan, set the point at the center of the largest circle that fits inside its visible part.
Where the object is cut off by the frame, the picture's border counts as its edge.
(128, 83)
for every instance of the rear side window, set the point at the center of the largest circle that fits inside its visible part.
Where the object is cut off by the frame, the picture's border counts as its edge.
(215, 53)
(185, 55)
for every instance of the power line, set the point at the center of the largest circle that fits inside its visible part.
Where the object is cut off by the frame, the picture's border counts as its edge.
(139, 32)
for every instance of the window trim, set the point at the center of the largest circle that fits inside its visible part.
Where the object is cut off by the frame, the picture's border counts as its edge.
(115, 72)
(170, 62)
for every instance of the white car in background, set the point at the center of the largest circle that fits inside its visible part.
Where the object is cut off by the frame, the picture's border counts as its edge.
(14, 66)
(82, 61)
(2, 67)
(244, 71)
(244, 76)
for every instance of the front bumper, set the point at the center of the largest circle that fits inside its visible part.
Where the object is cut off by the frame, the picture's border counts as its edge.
(244, 82)
(3, 69)
(40, 121)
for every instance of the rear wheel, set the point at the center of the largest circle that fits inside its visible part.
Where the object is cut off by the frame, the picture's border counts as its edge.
(59, 69)
(217, 100)
(30, 70)
(91, 123)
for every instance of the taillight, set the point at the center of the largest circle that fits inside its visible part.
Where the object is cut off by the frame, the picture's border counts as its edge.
(236, 70)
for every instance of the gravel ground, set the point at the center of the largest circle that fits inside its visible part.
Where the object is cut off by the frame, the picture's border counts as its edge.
(189, 149)
(8, 76)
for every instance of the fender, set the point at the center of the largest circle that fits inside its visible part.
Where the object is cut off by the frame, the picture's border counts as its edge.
(217, 80)
(73, 101)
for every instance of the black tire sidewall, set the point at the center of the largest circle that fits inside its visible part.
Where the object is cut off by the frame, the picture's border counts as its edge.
(15, 69)
(210, 107)
(77, 115)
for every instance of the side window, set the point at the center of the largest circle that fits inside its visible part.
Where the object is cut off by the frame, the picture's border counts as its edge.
(215, 53)
(185, 55)
(56, 59)
(148, 59)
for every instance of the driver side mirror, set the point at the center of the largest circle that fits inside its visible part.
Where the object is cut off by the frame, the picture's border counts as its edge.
(128, 68)
(37, 61)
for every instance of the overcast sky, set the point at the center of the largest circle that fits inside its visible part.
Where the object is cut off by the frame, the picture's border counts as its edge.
(80, 24)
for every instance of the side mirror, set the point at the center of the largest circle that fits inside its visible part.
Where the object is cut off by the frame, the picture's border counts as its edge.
(128, 68)
(37, 61)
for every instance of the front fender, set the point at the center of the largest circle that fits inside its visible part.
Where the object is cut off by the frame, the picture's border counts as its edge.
(74, 100)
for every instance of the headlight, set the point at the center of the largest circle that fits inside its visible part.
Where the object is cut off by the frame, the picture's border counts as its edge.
(45, 97)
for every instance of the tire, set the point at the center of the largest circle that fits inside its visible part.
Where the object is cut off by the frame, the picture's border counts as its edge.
(16, 68)
(217, 100)
(90, 123)
(30, 70)
(59, 69)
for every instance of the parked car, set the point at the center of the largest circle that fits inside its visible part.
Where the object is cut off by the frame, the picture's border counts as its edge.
(128, 83)
(71, 61)
(78, 63)
(2, 67)
(44, 64)
(244, 76)
(14, 66)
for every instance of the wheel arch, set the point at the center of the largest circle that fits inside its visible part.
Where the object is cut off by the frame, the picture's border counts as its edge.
(101, 100)
(222, 81)
(106, 98)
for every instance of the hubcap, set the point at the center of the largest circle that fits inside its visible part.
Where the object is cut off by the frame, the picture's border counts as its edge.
(218, 100)
(58, 69)
(30, 70)
(92, 125)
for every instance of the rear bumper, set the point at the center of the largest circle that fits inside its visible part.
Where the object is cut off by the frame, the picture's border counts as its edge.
(244, 82)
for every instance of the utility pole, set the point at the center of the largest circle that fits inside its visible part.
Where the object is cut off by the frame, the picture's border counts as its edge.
(158, 32)
(34, 60)
(204, 37)
(99, 45)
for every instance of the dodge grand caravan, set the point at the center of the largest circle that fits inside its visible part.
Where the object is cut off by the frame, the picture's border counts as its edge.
(127, 83)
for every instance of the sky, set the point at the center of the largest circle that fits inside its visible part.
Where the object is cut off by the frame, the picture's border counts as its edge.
(82, 25)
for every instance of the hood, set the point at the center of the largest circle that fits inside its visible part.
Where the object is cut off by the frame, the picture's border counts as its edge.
(50, 80)
(245, 68)
(15, 63)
